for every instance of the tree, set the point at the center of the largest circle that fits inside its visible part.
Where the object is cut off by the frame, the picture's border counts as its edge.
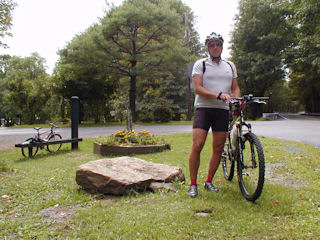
(304, 58)
(82, 71)
(260, 39)
(97, 70)
(144, 39)
(168, 96)
(6, 8)
(25, 88)
(4, 64)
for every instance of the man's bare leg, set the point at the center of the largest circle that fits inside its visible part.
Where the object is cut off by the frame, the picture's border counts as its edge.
(198, 140)
(218, 140)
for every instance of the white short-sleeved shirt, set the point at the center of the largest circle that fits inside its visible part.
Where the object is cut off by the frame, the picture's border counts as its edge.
(217, 78)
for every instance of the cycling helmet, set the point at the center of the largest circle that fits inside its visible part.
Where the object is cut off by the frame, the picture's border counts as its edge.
(214, 36)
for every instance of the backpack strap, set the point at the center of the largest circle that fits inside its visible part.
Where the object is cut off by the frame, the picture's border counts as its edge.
(204, 66)
(230, 67)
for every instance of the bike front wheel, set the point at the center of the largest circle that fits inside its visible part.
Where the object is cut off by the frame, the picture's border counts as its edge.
(227, 161)
(251, 167)
(29, 151)
(54, 147)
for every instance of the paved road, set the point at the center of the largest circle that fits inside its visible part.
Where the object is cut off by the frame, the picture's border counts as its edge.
(292, 127)
(8, 137)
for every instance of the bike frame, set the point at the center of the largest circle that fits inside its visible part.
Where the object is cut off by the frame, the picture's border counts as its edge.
(50, 133)
(238, 119)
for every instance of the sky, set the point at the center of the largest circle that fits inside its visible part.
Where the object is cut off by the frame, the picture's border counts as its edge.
(45, 26)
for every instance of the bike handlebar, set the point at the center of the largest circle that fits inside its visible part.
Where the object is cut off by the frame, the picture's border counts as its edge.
(250, 98)
(53, 125)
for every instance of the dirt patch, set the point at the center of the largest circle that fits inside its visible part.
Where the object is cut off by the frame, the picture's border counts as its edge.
(288, 180)
(59, 214)
(52, 195)
(79, 156)
(291, 149)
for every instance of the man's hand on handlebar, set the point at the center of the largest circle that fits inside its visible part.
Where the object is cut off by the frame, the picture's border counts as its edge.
(225, 97)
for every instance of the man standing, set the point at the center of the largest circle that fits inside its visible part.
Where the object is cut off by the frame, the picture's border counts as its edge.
(215, 81)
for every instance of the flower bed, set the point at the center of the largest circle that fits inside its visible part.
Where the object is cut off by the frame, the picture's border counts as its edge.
(128, 150)
(129, 142)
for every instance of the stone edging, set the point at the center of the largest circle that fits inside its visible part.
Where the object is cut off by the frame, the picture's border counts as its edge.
(101, 149)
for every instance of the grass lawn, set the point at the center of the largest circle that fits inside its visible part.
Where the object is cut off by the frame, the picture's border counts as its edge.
(39, 199)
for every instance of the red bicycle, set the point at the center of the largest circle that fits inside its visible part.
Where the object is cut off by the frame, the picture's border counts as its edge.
(49, 136)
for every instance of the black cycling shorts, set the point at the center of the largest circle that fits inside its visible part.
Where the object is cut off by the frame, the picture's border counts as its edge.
(217, 119)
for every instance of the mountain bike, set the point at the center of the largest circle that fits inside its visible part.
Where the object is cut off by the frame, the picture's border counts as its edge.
(244, 148)
(49, 136)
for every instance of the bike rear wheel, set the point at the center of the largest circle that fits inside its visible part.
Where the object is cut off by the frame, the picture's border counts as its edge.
(29, 151)
(227, 161)
(54, 147)
(251, 167)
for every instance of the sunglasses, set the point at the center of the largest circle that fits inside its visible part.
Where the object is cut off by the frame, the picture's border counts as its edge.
(215, 45)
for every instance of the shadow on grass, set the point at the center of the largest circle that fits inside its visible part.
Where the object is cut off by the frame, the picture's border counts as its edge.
(43, 154)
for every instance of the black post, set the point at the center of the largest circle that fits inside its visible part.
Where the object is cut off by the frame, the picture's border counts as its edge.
(74, 120)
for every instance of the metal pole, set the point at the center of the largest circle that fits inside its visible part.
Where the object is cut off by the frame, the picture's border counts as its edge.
(74, 120)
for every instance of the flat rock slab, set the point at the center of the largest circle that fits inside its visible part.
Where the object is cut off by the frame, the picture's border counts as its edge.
(118, 175)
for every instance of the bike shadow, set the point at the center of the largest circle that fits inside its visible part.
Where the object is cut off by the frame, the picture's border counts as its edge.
(42, 155)
(230, 194)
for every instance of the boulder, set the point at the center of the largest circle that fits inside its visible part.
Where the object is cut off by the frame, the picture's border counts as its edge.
(118, 175)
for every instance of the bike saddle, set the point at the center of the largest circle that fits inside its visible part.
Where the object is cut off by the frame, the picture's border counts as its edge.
(37, 128)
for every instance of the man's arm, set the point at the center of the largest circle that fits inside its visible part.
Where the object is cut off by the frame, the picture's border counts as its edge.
(200, 90)
(235, 89)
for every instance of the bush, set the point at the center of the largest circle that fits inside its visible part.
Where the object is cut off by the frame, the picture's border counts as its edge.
(163, 114)
(183, 117)
(145, 115)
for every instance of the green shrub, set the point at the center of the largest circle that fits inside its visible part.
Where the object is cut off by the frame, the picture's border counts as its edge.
(163, 114)
(145, 115)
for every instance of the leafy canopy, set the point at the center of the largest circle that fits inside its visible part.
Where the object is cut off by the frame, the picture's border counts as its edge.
(260, 39)
(6, 8)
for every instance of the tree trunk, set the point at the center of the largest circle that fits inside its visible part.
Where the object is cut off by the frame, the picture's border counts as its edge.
(132, 97)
